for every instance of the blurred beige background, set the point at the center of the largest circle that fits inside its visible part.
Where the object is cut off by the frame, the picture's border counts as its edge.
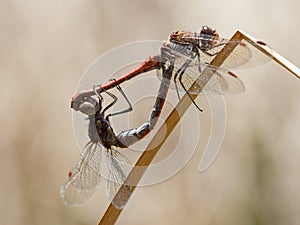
(47, 45)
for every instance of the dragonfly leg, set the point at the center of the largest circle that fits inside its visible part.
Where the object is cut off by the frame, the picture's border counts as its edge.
(179, 73)
(127, 100)
(175, 81)
(186, 91)
(115, 99)
(131, 136)
(167, 55)
(100, 98)
(183, 69)
(199, 62)
(210, 54)
(213, 54)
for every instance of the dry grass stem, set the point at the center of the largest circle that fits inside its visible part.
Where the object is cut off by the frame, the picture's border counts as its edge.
(111, 215)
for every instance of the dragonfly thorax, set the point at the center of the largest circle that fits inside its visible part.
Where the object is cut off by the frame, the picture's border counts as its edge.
(92, 130)
(184, 38)
(105, 132)
(179, 50)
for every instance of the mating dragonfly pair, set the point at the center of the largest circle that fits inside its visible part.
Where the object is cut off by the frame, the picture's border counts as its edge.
(182, 59)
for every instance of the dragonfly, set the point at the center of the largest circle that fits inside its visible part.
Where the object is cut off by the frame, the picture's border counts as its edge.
(190, 53)
(85, 176)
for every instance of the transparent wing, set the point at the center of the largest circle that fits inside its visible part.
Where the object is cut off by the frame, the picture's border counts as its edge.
(244, 55)
(84, 178)
(221, 82)
(119, 168)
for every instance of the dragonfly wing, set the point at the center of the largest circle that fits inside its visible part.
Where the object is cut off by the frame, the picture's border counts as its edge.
(245, 54)
(224, 83)
(119, 168)
(220, 82)
(84, 178)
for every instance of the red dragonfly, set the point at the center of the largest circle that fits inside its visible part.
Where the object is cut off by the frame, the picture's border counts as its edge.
(191, 53)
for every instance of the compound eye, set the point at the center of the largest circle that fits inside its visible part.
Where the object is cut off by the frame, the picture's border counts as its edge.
(208, 30)
(87, 108)
(204, 29)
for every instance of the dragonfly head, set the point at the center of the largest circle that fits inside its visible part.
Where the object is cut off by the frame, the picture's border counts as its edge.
(208, 37)
(90, 106)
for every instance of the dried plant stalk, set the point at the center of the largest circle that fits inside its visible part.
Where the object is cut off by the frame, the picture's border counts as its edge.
(111, 215)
